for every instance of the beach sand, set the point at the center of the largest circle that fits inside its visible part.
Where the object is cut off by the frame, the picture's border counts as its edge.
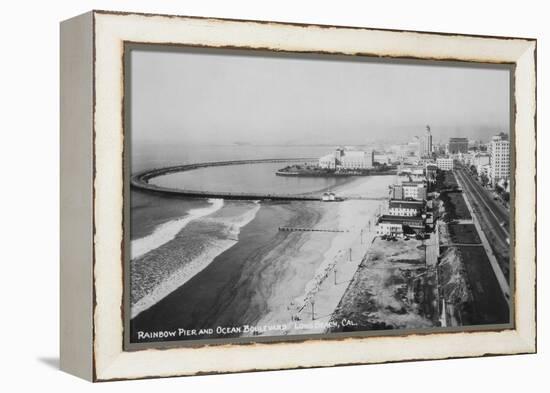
(305, 302)
(269, 278)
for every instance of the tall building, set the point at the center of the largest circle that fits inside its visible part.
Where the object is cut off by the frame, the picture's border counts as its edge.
(426, 145)
(457, 145)
(500, 158)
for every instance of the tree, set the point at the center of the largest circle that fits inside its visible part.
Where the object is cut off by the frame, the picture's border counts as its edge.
(484, 179)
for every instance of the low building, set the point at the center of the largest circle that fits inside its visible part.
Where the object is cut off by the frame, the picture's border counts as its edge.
(398, 225)
(414, 190)
(480, 159)
(411, 169)
(356, 159)
(445, 164)
(405, 208)
(396, 192)
(465, 158)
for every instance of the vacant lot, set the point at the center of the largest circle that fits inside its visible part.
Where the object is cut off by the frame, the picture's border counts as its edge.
(463, 233)
(391, 289)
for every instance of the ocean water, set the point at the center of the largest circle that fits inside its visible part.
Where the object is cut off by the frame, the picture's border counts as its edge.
(181, 248)
(252, 178)
(236, 286)
(167, 231)
(203, 262)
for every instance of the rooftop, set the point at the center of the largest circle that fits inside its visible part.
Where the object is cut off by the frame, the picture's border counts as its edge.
(458, 140)
(355, 153)
(413, 183)
(500, 137)
(402, 220)
(407, 204)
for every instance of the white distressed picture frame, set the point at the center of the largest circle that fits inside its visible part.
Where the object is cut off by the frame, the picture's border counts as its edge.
(92, 198)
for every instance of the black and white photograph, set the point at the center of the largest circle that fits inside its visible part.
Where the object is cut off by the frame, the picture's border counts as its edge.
(282, 195)
(271, 197)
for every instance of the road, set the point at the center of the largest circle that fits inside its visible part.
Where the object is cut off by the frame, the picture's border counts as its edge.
(494, 218)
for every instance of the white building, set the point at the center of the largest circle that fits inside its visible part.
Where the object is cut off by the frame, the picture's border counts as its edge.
(348, 159)
(414, 190)
(465, 158)
(397, 225)
(480, 159)
(355, 159)
(500, 158)
(328, 161)
(445, 164)
(405, 208)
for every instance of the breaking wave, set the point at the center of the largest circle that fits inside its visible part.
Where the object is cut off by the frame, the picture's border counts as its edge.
(214, 245)
(168, 231)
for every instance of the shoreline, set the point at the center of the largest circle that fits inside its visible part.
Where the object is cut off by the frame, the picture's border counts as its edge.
(177, 274)
(334, 271)
(269, 277)
(231, 290)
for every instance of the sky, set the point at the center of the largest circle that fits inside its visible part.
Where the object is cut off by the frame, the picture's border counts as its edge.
(213, 96)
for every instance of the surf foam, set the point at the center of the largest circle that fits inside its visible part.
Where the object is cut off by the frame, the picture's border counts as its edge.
(168, 231)
(214, 248)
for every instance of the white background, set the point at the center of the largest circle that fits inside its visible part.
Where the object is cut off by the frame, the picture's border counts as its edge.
(29, 196)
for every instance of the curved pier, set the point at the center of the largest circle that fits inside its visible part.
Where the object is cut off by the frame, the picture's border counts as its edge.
(141, 181)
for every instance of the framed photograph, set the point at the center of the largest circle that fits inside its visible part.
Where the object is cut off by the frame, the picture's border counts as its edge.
(248, 195)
